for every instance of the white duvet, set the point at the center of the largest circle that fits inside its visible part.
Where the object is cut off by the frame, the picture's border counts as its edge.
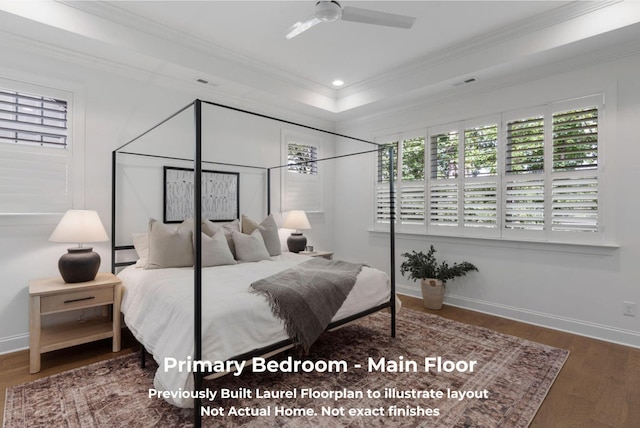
(158, 309)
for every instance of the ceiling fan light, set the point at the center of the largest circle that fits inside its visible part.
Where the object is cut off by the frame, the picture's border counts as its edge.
(328, 11)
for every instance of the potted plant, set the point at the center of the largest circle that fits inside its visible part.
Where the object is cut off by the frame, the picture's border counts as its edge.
(433, 276)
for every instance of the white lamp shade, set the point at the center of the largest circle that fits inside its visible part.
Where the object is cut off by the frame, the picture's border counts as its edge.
(79, 226)
(296, 219)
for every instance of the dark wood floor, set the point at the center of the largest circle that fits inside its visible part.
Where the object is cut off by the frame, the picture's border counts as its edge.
(598, 387)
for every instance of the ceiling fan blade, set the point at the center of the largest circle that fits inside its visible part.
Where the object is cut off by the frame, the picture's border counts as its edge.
(368, 16)
(302, 26)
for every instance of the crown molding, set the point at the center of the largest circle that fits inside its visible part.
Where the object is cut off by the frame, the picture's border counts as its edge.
(492, 39)
(419, 101)
(158, 51)
(111, 12)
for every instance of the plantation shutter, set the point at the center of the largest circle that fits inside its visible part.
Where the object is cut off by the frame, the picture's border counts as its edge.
(383, 206)
(303, 182)
(527, 174)
(524, 192)
(480, 198)
(524, 204)
(302, 158)
(411, 187)
(443, 184)
(32, 120)
(34, 155)
(574, 194)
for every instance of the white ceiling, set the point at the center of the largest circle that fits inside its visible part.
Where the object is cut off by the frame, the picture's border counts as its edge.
(351, 51)
(240, 48)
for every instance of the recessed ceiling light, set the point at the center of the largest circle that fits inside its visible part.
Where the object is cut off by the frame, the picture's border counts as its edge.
(337, 82)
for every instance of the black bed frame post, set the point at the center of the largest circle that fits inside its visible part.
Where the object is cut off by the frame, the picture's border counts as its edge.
(268, 191)
(392, 241)
(113, 211)
(197, 263)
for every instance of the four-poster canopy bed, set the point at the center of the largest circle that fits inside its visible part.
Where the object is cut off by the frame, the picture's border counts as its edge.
(226, 315)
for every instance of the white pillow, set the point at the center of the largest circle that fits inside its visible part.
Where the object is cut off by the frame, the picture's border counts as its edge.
(216, 251)
(211, 228)
(170, 246)
(141, 244)
(269, 230)
(250, 248)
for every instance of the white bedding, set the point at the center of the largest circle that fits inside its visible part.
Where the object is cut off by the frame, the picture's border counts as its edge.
(158, 309)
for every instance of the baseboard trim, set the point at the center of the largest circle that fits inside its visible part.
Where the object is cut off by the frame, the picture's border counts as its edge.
(408, 291)
(569, 325)
(15, 343)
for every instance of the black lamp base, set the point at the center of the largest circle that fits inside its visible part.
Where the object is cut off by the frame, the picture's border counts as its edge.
(296, 242)
(80, 264)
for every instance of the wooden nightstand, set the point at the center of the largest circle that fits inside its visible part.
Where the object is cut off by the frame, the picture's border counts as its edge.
(53, 295)
(326, 254)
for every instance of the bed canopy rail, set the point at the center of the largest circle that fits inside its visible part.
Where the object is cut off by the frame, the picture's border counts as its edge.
(194, 126)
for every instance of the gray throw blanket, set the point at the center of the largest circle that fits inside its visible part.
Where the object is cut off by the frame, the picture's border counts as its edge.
(307, 296)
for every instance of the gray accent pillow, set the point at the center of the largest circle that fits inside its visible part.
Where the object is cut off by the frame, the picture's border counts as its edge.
(269, 230)
(250, 248)
(216, 251)
(170, 246)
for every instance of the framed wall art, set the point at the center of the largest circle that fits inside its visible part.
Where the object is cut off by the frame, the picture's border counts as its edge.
(220, 195)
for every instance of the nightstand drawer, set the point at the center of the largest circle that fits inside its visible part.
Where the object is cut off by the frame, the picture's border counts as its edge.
(78, 299)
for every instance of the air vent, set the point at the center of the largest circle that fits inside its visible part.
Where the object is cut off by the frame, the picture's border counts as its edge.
(206, 82)
(465, 82)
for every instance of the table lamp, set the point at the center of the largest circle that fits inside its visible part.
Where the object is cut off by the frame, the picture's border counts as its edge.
(80, 264)
(296, 219)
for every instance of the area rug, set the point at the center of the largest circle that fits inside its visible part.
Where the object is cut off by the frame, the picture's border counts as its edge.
(485, 379)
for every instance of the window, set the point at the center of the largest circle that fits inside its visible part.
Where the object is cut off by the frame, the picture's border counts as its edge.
(531, 174)
(35, 153)
(443, 186)
(302, 158)
(480, 156)
(408, 152)
(574, 178)
(383, 204)
(302, 179)
(32, 120)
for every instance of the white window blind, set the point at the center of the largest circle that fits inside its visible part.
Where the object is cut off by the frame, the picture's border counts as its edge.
(524, 182)
(525, 146)
(302, 158)
(34, 153)
(524, 204)
(530, 174)
(575, 170)
(409, 177)
(480, 177)
(382, 196)
(444, 183)
(32, 119)
(412, 183)
(302, 178)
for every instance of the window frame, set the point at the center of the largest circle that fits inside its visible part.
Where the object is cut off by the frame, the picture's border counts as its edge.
(316, 179)
(75, 148)
(581, 237)
(503, 179)
(494, 179)
(507, 117)
(381, 188)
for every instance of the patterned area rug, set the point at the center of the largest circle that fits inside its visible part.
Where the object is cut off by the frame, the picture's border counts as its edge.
(510, 379)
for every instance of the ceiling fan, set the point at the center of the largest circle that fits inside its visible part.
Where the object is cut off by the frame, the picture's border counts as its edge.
(330, 11)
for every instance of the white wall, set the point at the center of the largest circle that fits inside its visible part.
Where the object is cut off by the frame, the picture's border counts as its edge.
(573, 288)
(118, 103)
